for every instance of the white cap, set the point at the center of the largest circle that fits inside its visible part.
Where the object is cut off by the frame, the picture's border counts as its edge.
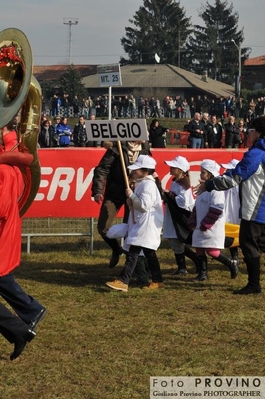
(231, 165)
(211, 166)
(179, 162)
(143, 162)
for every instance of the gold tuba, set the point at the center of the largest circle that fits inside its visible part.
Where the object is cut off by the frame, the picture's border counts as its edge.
(20, 92)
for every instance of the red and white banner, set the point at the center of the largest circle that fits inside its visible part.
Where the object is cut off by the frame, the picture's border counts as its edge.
(66, 177)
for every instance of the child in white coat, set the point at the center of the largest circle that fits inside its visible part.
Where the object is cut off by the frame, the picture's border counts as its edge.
(144, 225)
(208, 224)
(232, 205)
(180, 195)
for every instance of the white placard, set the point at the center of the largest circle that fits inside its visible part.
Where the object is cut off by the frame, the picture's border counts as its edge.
(114, 130)
(109, 75)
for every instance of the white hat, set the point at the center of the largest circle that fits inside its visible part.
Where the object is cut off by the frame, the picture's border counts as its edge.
(211, 166)
(231, 165)
(179, 162)
(143, 162)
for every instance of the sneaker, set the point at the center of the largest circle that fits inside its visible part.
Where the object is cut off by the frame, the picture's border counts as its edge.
(117, 285)
(154, 286)
(179, 272)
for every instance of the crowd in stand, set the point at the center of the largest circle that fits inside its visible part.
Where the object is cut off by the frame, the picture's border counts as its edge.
(142, 107)
(207, 114)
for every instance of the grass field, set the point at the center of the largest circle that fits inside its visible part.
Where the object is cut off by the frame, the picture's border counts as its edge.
(98, 343)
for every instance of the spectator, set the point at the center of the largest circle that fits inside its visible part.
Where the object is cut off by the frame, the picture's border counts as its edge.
(205, 121)
(157, 134)
(80, 137)
(214, 132)
(47, 135)
(196, 129)
(232, 138)
(64, 132)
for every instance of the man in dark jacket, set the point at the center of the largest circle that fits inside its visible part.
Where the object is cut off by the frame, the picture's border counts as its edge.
(214, 132)
(232, 138)
(80, 134)
(108, 189)
(196, 129)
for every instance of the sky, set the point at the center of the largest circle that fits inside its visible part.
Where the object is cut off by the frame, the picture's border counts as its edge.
(95, 39)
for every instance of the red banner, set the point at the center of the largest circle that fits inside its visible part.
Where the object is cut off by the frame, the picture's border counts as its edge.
(66, 177)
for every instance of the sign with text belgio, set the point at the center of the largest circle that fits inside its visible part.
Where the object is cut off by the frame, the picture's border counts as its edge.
(109, 75)
(119, 129)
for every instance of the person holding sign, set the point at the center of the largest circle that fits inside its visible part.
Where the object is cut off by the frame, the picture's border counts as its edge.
(108, 188)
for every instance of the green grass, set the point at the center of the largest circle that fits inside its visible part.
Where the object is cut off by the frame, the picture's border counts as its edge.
(96, 343)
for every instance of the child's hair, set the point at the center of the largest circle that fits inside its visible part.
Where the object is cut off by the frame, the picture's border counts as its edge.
(158, 184)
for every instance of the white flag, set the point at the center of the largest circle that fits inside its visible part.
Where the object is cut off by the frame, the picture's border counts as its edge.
(157, 58)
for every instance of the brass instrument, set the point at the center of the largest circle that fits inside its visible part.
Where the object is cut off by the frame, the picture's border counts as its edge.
(20, 92)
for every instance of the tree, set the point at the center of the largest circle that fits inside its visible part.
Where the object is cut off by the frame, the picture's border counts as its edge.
(160, 26)
(71, 83)
(210, 48)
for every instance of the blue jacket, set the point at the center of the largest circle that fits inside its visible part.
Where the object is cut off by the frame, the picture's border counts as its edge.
(64, 132)
(249, 174)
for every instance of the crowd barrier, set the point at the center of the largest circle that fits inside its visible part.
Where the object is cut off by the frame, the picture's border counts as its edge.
(66, 179)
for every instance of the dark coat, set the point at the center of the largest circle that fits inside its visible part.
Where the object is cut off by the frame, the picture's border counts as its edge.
(193, 126)
(108, 177)
(214, 134)
(44, 141)
(157, 136)
(232, 137)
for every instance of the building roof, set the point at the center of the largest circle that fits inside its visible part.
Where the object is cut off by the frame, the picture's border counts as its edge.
(164, 76)
(256, 61)
(54, 72)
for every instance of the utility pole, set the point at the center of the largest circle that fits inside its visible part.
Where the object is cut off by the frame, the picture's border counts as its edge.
(70, 22)
(238, 81)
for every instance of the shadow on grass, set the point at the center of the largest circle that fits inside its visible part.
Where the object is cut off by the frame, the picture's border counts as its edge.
(63, 273)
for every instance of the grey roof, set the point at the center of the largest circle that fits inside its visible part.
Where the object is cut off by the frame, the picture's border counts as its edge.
(164, 76)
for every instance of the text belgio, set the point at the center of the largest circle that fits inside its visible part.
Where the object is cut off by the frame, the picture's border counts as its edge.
(122, 131)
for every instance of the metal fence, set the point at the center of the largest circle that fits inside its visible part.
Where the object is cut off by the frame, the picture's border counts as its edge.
(50, 227)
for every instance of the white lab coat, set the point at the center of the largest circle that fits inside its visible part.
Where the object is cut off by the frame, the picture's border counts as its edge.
(215, 236)
(232, 205)
(184, 199)
(145, 230)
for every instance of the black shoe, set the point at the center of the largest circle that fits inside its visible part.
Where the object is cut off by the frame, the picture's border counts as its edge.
(114, 260)
(180, 272)
(247, 290)
(34, 322)
(201, 277)
(20, 344)
(234, 268)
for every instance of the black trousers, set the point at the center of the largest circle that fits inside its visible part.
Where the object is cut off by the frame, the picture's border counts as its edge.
(23, 304)
(251, 239)
(11, 326)
(131, 260)
(108, 212)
